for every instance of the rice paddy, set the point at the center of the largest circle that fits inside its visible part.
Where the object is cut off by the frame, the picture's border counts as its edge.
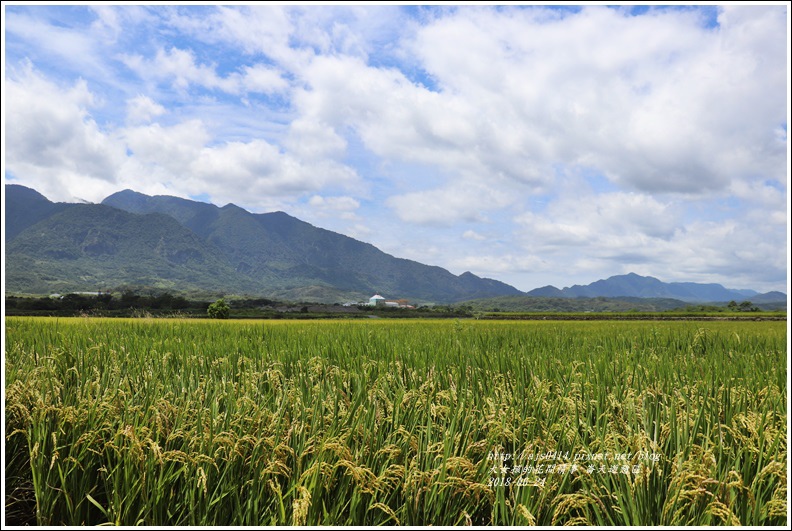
(194, 422)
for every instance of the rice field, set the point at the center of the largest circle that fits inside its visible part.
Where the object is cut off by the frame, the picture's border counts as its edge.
(195, 422)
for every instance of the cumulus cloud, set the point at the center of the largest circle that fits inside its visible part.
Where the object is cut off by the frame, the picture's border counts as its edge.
(521, 93)
(338, 213)
(51, 138)
(142, 109)
(468, 201)
(591, 219)
(261, 78)
(402, 121)
(630, 232)
(312, 139)
(632, 96)
(58, 147)
(457, 121)
(259, 167)
(181, 69)
(232, 170)
(263, 30)
(166, 154)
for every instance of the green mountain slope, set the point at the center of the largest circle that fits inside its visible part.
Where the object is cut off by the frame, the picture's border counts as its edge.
(25, 207)
(135, 240)
(96, 247)
(215, 249)
(293, 255)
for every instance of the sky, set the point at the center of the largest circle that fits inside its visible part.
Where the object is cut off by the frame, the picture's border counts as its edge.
(532, 144)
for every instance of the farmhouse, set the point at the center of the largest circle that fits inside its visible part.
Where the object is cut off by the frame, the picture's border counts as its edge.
(379, 300)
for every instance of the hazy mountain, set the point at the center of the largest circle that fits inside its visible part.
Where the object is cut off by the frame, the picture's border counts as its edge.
(169, 242)
(566, 304)
(769, 297)
(632, 285)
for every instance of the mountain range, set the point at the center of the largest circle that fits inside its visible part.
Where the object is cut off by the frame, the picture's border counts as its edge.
(136, 241)
(632, 285)
(132, 240)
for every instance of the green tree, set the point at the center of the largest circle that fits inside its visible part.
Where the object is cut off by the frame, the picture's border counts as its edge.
(218, 309)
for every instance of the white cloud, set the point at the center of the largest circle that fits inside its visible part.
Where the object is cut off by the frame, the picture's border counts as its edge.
(253, 29)
(468, 200)
(312, 139)
(112, 22)
(181, 69)
(630, 95)
(611, 233)
(400, 121)
(599, 223)
(255, 166)
(342, 207)
(57, 147)
(353, 30)
(768, 196)
(232, 171)
(60, 44)
(674, 130)
(359, 231)
(498, 264)
(51, 137)
(141, 109)
(262, 79)
(342, 203)
(473, 235)
(170, 150)
(521, 95)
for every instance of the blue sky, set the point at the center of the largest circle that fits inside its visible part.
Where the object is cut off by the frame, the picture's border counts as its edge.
(534, 145)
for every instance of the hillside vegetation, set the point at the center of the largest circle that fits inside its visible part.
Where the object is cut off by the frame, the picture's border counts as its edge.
(141, 242)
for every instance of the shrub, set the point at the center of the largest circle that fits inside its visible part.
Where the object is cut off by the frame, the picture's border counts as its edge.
(218, 309)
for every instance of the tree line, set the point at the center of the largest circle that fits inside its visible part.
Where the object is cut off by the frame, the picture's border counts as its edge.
(104, 302)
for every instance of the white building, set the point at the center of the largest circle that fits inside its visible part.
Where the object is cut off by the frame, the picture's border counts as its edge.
(377, 300)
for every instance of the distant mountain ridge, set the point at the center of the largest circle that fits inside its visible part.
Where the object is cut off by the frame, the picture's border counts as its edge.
(132, 240)
(135, 240)
(633, 285)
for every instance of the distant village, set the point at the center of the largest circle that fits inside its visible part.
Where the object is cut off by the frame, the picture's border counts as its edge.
(375, 300)
(379, 300)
